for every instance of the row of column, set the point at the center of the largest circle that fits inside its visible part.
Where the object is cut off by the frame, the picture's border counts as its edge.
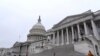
(67, 36)
(56, 38)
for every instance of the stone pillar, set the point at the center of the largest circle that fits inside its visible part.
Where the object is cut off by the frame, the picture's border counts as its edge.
(49, 39)
(62, 36)
(27, 46)
(67, 36)
(85, 29)
(54, 38)
(96, 36)
(72, 34)
(95, 32)
(20, 47)
(78, 28)
(57, 37)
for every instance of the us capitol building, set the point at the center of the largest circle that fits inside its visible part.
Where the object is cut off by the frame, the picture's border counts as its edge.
(75, 35)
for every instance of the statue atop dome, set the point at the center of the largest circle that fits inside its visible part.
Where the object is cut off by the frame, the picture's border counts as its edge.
(39, 20)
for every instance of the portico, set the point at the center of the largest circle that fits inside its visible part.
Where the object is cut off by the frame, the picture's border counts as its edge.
(74, 29)
(74, 33)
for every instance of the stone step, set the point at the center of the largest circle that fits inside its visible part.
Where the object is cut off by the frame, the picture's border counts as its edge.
(65, 50)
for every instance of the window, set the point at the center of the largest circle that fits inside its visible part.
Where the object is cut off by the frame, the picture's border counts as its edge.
(96, 47)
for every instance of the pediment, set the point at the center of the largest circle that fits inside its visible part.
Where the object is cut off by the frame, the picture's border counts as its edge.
(72, 18)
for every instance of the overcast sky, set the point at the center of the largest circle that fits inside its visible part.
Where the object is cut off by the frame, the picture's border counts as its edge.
(18, 16)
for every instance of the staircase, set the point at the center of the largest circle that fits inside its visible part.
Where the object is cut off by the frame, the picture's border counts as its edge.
(65, 50)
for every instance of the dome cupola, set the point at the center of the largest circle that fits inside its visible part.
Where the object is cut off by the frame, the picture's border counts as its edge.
(37, 30)
(38, 26)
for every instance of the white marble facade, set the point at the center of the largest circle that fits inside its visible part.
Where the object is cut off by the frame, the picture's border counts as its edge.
(76, 29)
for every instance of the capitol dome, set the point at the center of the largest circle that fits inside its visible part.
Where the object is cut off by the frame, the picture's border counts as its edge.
(38, 26)
(37, 30)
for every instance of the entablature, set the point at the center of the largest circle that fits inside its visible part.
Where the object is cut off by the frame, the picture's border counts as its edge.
(69, 19)
(76, 21)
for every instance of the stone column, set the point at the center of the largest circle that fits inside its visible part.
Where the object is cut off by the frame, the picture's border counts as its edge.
(20, 47)
(85, 29)
(27, 46)
(62, 36)
(95, 32)
(49, 39)
(67, 36)
(78, 28)
(54, 38)
(72, 34)
(57, 37)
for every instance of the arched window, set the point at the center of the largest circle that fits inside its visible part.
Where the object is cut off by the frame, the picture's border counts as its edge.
(97, 51)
